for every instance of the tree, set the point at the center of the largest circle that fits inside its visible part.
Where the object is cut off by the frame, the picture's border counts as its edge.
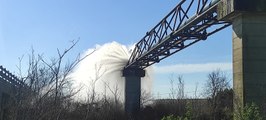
(48, 92)
(177, 87)
(216, 84)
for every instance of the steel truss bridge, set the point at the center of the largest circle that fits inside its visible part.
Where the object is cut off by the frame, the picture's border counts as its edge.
(189, 22)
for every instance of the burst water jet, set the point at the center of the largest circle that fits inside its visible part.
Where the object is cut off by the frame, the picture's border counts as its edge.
(103, 71)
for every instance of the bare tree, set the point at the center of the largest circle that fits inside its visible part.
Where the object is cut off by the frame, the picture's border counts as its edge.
(107, 106)
(145, 98)
(114, 91)
(176, 105)
(48, 90)
(216, 83)
(177, 87)
(92, 95)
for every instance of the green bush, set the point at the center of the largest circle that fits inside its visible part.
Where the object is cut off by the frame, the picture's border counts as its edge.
(171, 117)
(249, 112)
(188, 114)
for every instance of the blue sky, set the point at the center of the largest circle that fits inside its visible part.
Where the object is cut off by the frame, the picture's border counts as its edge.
(47, 25)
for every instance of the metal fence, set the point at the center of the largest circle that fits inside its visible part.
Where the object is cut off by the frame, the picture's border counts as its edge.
(6, 76)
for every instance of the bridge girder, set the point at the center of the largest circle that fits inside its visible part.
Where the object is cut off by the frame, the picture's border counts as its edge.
(177, 31)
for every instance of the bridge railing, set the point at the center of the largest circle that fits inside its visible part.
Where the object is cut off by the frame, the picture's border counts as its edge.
(9, 78)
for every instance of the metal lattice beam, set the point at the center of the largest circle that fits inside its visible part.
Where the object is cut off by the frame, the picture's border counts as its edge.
(189, 22)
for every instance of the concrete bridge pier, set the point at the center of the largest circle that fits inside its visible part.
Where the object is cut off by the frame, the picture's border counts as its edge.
(132, 90)
(249, 58)
(248, 18)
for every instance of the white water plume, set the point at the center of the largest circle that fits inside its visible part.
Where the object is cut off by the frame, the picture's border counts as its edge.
(103, 70)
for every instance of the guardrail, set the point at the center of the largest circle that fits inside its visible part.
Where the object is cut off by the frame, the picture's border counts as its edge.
(9, 78)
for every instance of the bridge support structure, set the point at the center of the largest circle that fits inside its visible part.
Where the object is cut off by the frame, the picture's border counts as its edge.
(249, 45)
(132, 90)
(249, 58)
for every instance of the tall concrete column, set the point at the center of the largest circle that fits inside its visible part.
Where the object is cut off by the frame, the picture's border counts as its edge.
(249, 58)
(132, 89)
(248, 18)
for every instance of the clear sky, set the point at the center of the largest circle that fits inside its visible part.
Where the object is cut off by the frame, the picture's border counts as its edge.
(47, 25)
